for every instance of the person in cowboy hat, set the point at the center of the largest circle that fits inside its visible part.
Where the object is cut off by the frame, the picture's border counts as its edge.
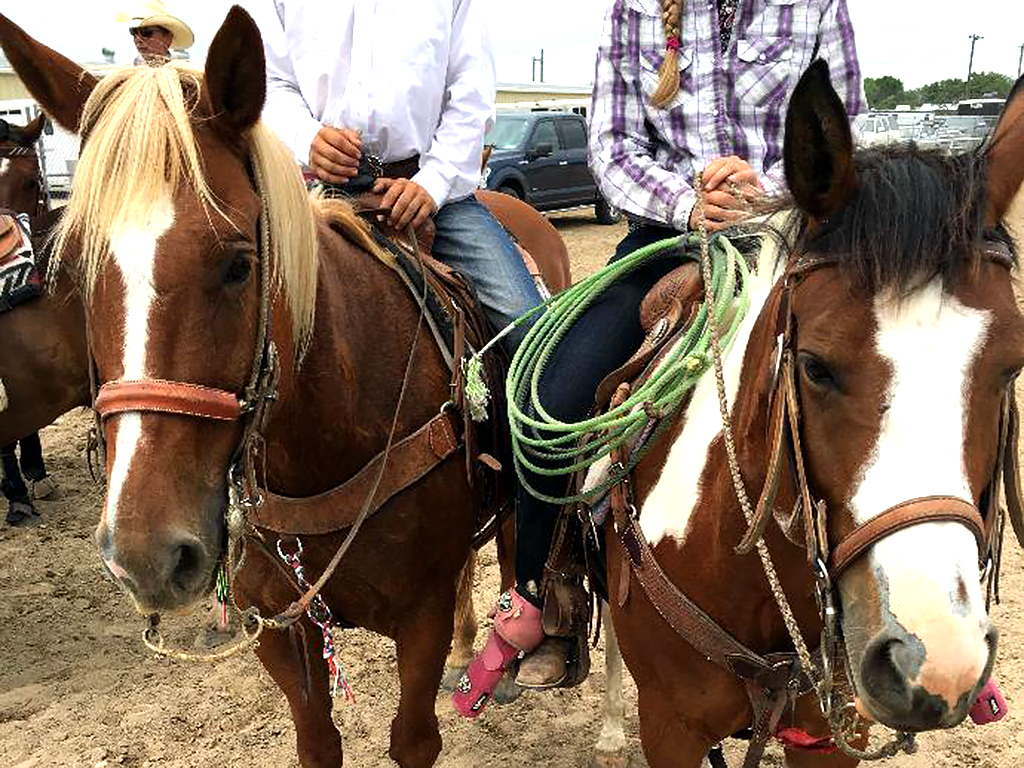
(155, 31)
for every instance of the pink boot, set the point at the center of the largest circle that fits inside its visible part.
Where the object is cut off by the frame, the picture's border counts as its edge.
(517, 628)
(990, 705)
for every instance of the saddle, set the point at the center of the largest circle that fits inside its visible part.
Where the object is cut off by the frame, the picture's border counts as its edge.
(19, 279)
(458, 326)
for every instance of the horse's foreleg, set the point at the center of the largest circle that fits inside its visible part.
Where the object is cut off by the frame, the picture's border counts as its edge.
(666, 739)
(610, 751)
(465, 626)
(421, 643)
(293, 659)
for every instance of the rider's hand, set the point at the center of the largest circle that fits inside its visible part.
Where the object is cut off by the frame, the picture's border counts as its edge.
(721, 209)
(408, 201)
(334, 154)
(731, 168)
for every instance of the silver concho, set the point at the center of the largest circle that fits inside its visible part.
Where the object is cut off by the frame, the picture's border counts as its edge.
(464, 686)
(505, 602)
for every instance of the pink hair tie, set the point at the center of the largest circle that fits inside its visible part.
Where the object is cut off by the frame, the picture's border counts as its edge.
(672, 44)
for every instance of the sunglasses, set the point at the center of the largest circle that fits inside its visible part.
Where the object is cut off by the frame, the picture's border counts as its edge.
(144, 32)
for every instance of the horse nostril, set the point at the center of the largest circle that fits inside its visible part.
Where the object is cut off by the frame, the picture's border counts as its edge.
(886, 668)
(188, 564)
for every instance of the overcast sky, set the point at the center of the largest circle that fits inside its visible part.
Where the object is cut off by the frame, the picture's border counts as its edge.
(918, 41)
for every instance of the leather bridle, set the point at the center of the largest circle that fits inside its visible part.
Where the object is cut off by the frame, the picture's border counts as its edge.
(250, 406)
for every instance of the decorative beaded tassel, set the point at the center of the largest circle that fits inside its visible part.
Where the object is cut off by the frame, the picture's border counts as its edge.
(222, 593)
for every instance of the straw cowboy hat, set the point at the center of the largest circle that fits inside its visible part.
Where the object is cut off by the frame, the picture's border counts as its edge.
(153, 13)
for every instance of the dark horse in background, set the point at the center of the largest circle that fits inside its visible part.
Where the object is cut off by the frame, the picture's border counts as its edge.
(22, 191)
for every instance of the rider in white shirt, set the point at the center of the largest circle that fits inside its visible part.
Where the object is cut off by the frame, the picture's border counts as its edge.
(356, 84)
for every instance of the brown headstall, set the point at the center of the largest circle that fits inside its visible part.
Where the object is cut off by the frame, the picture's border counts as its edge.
(785, 440)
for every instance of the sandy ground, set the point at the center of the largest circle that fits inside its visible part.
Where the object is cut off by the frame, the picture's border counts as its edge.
(78, 689)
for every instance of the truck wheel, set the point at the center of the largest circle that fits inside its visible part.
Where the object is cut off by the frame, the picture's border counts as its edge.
(606, 214)
(511, 191)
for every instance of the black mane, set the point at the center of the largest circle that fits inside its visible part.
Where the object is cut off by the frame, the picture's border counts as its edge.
(916, 215)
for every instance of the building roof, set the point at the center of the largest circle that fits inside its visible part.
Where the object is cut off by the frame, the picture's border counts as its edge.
(545, 88)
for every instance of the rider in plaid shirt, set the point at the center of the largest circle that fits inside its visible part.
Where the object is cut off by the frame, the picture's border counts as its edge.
(737, 63)
(678, 90)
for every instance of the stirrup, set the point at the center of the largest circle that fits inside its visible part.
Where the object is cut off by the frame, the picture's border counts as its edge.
(517, 628)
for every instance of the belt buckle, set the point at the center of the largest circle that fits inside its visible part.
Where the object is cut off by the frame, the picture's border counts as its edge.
(376, 165)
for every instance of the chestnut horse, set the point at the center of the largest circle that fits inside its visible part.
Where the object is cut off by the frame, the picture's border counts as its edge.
(167, 250)
(887, 300)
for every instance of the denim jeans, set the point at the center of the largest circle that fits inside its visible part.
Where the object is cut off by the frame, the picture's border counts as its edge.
(471, 241)
(600, 340)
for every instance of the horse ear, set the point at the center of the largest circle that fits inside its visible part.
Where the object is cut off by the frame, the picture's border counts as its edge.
(59, 85)
(30, 133)
(1005, 155)
(818, 151)
(236, 72)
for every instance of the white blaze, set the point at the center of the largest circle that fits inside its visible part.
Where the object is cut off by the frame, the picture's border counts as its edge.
(5, 163)
(134, 253)
(3, 397)
(668, 507)
(930, 340)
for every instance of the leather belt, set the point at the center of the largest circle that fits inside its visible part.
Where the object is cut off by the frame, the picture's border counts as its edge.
(372, 168)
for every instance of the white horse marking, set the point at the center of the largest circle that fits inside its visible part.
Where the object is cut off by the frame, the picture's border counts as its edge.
(4, 402)
(670, 504)
(5, 163)
(928, 573)
(134, 252)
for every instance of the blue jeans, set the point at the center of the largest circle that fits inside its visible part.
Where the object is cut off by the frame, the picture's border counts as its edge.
(471, 241)
(601, 339)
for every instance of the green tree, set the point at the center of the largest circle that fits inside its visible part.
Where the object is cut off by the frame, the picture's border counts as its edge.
(884, 92)
(984, 83)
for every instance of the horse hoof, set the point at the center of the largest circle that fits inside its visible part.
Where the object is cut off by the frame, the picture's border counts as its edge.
(616, 759)
(211, 636)
(46, 489)
(507, 691)
(452, 675)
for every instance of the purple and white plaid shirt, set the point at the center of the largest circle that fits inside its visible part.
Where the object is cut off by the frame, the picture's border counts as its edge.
(645, 157)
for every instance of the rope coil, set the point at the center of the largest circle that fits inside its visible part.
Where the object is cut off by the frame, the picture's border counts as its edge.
(545, 445)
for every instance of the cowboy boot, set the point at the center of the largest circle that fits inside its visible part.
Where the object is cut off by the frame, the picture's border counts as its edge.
(517, 629)
(545, 667)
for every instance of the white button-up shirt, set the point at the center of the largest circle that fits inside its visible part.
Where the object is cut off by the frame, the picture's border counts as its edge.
(413, 76)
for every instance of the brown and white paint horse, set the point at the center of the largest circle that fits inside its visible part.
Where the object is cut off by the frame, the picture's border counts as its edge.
(172, 284)
(905, 348)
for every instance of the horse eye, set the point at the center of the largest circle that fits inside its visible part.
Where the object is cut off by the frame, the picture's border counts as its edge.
(238, 270)
(816, 371)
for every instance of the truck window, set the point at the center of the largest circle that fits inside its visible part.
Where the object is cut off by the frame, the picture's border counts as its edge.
(545, 133)
(574, 133)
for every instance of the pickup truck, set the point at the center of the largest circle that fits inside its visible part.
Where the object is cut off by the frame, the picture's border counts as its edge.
(541, 158)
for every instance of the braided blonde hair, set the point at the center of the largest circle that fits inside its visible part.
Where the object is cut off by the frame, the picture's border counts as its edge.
(668, 76)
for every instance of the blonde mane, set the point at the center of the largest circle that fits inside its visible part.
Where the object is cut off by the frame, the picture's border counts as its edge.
(141, 148)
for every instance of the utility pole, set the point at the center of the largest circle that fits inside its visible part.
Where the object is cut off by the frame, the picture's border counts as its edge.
(970, 66)
(533, 71)
(1020, 59)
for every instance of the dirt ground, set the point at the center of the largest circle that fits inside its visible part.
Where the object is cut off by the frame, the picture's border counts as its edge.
(78, 689)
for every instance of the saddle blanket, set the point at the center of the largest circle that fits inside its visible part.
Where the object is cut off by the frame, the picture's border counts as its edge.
(19, 279)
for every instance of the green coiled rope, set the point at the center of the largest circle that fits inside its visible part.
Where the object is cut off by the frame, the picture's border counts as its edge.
(547, 446)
